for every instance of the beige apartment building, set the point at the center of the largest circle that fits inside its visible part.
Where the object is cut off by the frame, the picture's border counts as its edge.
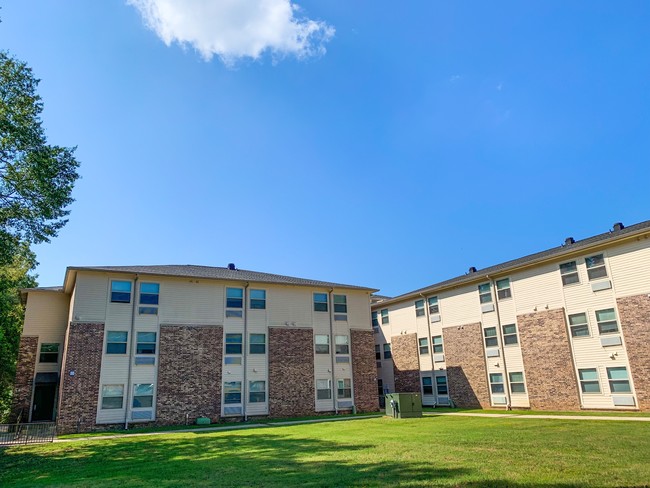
(563, 329)
(116, 346)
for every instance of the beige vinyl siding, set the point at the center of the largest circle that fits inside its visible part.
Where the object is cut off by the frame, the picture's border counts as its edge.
(190, 303)
(358, 309)
(256, 364)
(515, 363)
(629, 268)
(292, 305)
(46, 317)
(460, 306)
(539, 287)
(91, 297)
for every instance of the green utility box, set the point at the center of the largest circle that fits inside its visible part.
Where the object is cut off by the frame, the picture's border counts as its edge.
(203, 421)
(403, 405)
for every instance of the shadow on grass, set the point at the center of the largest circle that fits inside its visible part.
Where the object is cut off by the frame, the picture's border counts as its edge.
(208, 459)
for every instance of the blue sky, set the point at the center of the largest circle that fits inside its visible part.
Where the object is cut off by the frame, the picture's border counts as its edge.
(391, 146)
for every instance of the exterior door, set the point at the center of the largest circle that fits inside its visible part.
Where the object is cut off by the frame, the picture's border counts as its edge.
(43, 405)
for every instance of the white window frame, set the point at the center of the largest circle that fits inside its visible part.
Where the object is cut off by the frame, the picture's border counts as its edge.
(343, 385)
(490, 340)
(328, 389)
(589, 381)
(504, 291)
(438, 346)
(316, 344)
(484, 297)
(569, 271)
(423, 346)
(497, 387)
(607, 322)
(104, 395)
(579, 326)
(594, 268)
(507, 336)
(419, 308)
(434, 305)
(342, 344)
(517, 386)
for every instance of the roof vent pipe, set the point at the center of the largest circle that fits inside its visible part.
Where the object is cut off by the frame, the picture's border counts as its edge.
(472, 269)
(231, 266)
(569, 240)
(618, 226)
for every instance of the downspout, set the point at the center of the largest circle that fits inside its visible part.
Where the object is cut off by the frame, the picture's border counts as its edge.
(245, 351)
(330, 304)
(131, 356)
(506, 379)
(430, 342)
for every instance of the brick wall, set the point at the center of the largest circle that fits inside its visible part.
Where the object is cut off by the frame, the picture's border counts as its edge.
(546, 351)
(189, 373)
(634, 313)
(466, 371)
(291, 372)
(25, 367)
(364, 370)
(79, 393)
(406, 363)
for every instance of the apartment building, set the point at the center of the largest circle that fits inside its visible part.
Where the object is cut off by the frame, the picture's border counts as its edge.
(563, 329)
(121, 345)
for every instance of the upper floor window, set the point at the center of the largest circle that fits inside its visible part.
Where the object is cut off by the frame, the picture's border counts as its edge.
(485, 293)
(384, 316)
(116, 342)
(419, 308)
(437, 344)
(596, 267)
(387, 353)
(233, 343)
(49, 353)
(503, 288)
(606, 321)
(120, 291)
(146, 343)
(320, 302)
(340, 307)
(322, 343)
(257, 344)
(510, 334)
(375, 320)
(578, 325)
(234, 302)
(377, 352)
(490, 334)
(424, 345)
(342, 344)
(149, 293)
(569, 273)
(433, 305)
(258, 299)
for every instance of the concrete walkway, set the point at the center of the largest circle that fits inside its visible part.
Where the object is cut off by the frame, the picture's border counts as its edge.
(339, 419)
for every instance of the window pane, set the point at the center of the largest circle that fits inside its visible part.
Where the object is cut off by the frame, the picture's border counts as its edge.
(322, 339)
(144, 389)
(568, 267)
(341, 339)
(258, 294)
(484, 288)
(145, 348)
(580, 331)
(588, 374)
(496, 378)
(109, 403)
(516, 377)
(595, 273)
(617, 373)
(510, 329)
(112, 390)
(620, 386)
(578, 318)
(604, 315)
(590, 387)
(147, 299)
(146, 337)
(504, 283)
(117, 336)
(517, 387)
(150, 288)
(490, 332)
(121, 286)
(594, 261)
(116, 348)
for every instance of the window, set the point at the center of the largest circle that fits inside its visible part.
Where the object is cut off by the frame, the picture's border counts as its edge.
(233, 343)
(437, 344)
(596, 267)
(578, 325)
(433, 305)
(377, 352)
(496, 383)
(323, 390)
(618, 380)
(441, 385)
(384, 316)
(149, 293)
(427, 385)
(112, 396)
(342, 344)
(232, 392)
(387, 354)
(569, 273)
(258, 299)
(485, 293)
(257, 391)
(375, 320)
(116, 342)
(606, 321)
(143, 396)
(120, 291)
(510, 335)
(234, 300)
(232, 360)
(146, 343)
(257, 344)
(491, 339)
(320, 302)
(344, 388)
(380, 387)
(49, 353)
(322, 344)
(419, 308)
(424, 345)
(503, 289)
(589, 380)
(517, 384)
(340, 304)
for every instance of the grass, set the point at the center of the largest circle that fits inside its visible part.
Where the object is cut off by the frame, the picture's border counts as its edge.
(431, 451)
(582, 413)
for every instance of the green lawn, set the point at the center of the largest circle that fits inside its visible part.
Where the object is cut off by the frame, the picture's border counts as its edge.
(431, 451)
(582, 413)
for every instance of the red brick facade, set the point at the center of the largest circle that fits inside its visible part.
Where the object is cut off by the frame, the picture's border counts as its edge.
(80, 390)
(291, 372)
(406, 363)
(466, 371)
(634, 313)
(189, 373)
(548, 361)
(25, 368)
(364, 370)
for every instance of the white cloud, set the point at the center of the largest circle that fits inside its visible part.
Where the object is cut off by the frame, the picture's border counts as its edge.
(236, 29)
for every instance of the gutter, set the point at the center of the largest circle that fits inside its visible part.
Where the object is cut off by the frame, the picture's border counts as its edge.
(246, 346)
(430, 342)
(506, 378)
(129, 387)
(332, 345)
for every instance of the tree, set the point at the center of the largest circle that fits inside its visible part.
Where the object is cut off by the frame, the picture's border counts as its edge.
(36, 182)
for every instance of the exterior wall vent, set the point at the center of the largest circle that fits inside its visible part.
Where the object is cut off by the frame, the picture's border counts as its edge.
(569, 240)
(231, 266)
(618, 226)
(472, 269)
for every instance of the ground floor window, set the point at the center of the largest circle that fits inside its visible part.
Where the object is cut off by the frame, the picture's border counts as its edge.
(441, 385)
(323, 390)
(257, 391)
(517, 384)
(427, 385)
(143, 395)
(112, 396)
(589, 380)
(344, 388)
(232, 392)
(496, 383)
(618, 380)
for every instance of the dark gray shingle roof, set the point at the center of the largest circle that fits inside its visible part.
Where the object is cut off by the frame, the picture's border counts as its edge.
(217, 273)
(528, 260)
